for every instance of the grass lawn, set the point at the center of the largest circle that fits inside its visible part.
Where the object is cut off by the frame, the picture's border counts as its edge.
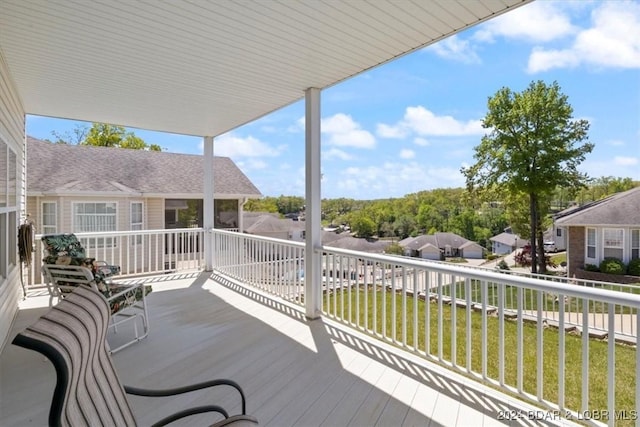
(530, 299)
(625, 372)
(557, 259)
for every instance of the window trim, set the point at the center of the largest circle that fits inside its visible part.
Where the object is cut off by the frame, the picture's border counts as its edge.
(55, 217)
(618, 246)
(631, 247)
(9, 209)
(594, 245)
(138, 239)
(114, 240)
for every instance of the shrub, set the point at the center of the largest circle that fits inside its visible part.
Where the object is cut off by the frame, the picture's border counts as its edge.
(633, 269)
(591, 267)
(502, 265)
(612, 266)
(491, 257)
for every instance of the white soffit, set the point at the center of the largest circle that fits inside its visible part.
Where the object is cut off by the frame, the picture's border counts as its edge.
(206, 67)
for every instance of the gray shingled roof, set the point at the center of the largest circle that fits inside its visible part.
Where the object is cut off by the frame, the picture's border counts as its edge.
(508, 239)
(270, 224)
(359, 244)
(59, 168)
(619, 209)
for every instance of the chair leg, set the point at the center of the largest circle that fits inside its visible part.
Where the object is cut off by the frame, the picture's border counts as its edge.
(139, 311)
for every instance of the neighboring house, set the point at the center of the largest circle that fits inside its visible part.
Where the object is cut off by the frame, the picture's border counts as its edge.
(505, 243)
(360, 244)
(268, 225)
(441, 245)
(605, 228)
(74, 188)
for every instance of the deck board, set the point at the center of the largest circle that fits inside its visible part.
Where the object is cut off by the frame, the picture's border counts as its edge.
(295, 372)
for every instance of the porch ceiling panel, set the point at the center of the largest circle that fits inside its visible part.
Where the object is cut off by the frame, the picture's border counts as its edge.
(204, 68)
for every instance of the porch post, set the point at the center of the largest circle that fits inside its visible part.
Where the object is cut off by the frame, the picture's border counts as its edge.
(207, 202)
(313, 239)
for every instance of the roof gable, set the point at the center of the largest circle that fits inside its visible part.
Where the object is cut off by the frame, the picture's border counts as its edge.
(621, 209)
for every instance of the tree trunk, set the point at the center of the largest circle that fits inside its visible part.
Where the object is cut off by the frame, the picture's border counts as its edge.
(542, 261)
(533, 209)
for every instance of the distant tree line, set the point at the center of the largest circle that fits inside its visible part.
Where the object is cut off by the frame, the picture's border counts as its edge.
(439, 210)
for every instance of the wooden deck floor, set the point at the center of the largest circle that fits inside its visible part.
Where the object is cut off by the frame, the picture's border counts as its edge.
(295, 372)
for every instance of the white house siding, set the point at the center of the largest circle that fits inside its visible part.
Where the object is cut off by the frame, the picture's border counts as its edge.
(152, 219)
(501, 248)
(599, 252)
(12, 135)
(560, 238)
(154, 214)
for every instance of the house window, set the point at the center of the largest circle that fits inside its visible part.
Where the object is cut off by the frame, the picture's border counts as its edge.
(635, 244)
(49, 218)
(136, 220)
(92, 217)
(613, 242)
(591, 243)
(8, 210)
(559, 232)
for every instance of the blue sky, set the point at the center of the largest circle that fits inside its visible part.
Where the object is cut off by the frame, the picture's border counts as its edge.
(410, 125)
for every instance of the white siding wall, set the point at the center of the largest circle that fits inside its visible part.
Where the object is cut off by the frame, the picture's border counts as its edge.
(12, 134)
(153, 215)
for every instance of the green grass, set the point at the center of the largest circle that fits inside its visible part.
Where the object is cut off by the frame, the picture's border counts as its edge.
(557, 259)
(625, 375)
(550, 301)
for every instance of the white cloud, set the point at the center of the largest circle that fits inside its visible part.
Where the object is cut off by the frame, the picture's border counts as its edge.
(393, 179)
(252, 164)
(538, 21)
(612, 41)
(622, 167)
(456, 49)
(616, 143)
(386, 131)
(420, 121)
(420, 141)
(343, 131)
(407, 154)
(297, 126)
(625, 161)
(335, 153)
(233, 146)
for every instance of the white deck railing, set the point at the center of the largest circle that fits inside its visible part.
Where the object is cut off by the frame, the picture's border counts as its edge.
(544, 340)
(137, 252)
(537, 338)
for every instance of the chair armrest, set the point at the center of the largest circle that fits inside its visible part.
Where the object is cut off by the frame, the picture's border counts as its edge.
(187, 389)
(123, 289)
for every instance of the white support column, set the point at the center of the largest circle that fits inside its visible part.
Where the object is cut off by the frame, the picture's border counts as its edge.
(207, 208)
(313, 239)
(240, 224)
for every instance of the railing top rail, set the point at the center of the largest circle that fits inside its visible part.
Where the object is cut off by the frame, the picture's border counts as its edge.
(603, 295)
(130, 232)
(260, 238)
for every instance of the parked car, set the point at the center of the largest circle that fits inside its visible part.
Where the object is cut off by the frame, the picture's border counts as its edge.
(550, 247)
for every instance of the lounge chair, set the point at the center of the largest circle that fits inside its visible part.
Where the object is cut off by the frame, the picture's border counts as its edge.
(127, 302)
(88, 391)
(66, 249)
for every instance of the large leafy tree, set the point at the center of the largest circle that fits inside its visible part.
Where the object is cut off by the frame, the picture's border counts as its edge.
(533, 146)
(104, 135)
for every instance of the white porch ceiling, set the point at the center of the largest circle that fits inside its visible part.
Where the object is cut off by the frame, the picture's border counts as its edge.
(206, 67)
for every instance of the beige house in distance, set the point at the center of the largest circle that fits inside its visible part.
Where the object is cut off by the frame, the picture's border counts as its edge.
(73, 188)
